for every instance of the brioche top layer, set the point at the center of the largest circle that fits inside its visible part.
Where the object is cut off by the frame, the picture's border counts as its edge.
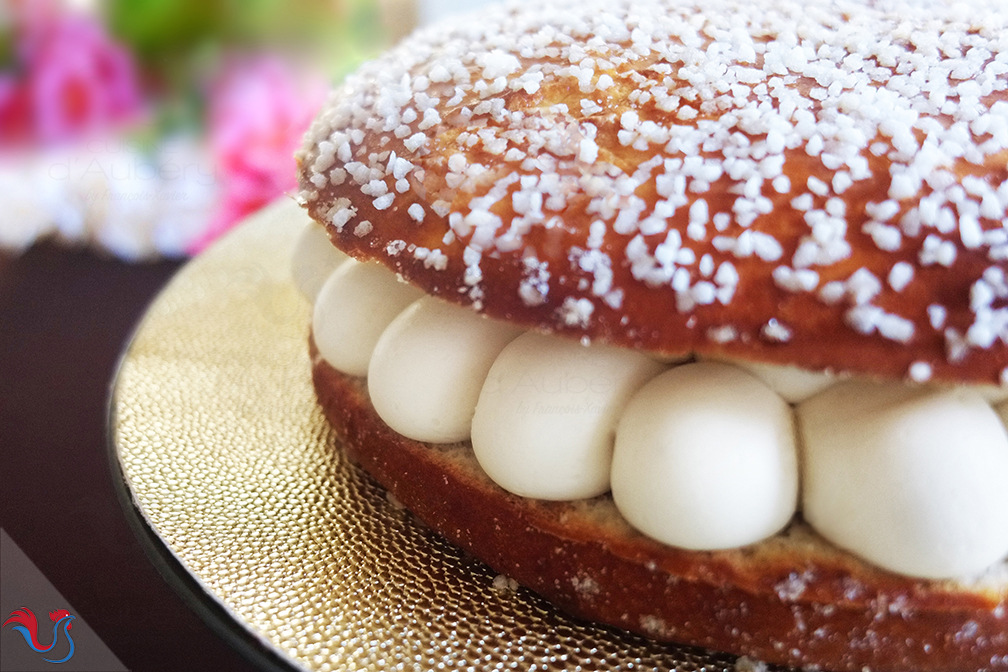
(824, 186)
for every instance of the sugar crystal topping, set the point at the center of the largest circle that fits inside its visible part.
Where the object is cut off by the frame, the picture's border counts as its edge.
(664, 142)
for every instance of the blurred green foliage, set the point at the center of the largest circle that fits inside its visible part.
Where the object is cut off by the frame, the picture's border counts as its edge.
(180, 43)
(168, 34)
(154, 28)
(6, 47)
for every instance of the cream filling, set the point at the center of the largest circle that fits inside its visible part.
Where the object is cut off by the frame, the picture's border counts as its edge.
(354, 306)
(699, 455)
(428, 367)
(706, 458)
(790, 382)
(547, 413)
(316, 260)
(910, 478)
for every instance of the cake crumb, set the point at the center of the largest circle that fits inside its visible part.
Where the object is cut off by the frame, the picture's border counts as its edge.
(747, 664)
(394, 501)
(504, 584)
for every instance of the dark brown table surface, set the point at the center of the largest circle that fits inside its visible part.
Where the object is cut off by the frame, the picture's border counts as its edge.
(65, 316)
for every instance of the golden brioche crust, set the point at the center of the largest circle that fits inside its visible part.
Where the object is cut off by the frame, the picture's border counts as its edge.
(792, 599)
(751, 179)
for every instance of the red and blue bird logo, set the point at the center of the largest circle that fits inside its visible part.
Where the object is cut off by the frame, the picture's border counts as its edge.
(25, 623)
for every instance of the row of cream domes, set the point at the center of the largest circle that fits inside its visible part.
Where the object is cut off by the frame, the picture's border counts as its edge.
(702, 455)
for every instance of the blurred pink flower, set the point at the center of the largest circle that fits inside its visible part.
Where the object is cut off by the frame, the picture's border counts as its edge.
(14, 113)
(78, 80)
(259, 109)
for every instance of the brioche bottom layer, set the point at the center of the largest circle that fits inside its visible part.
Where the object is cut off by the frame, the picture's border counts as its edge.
(792, 599)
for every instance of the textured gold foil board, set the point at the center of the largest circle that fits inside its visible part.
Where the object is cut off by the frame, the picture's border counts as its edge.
(231, 463)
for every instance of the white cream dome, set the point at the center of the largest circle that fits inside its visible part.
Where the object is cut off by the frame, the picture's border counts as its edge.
(429, 365)
(353, 307)
(315, 258)
(914, 480)
(546, 417)
(705, 458)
